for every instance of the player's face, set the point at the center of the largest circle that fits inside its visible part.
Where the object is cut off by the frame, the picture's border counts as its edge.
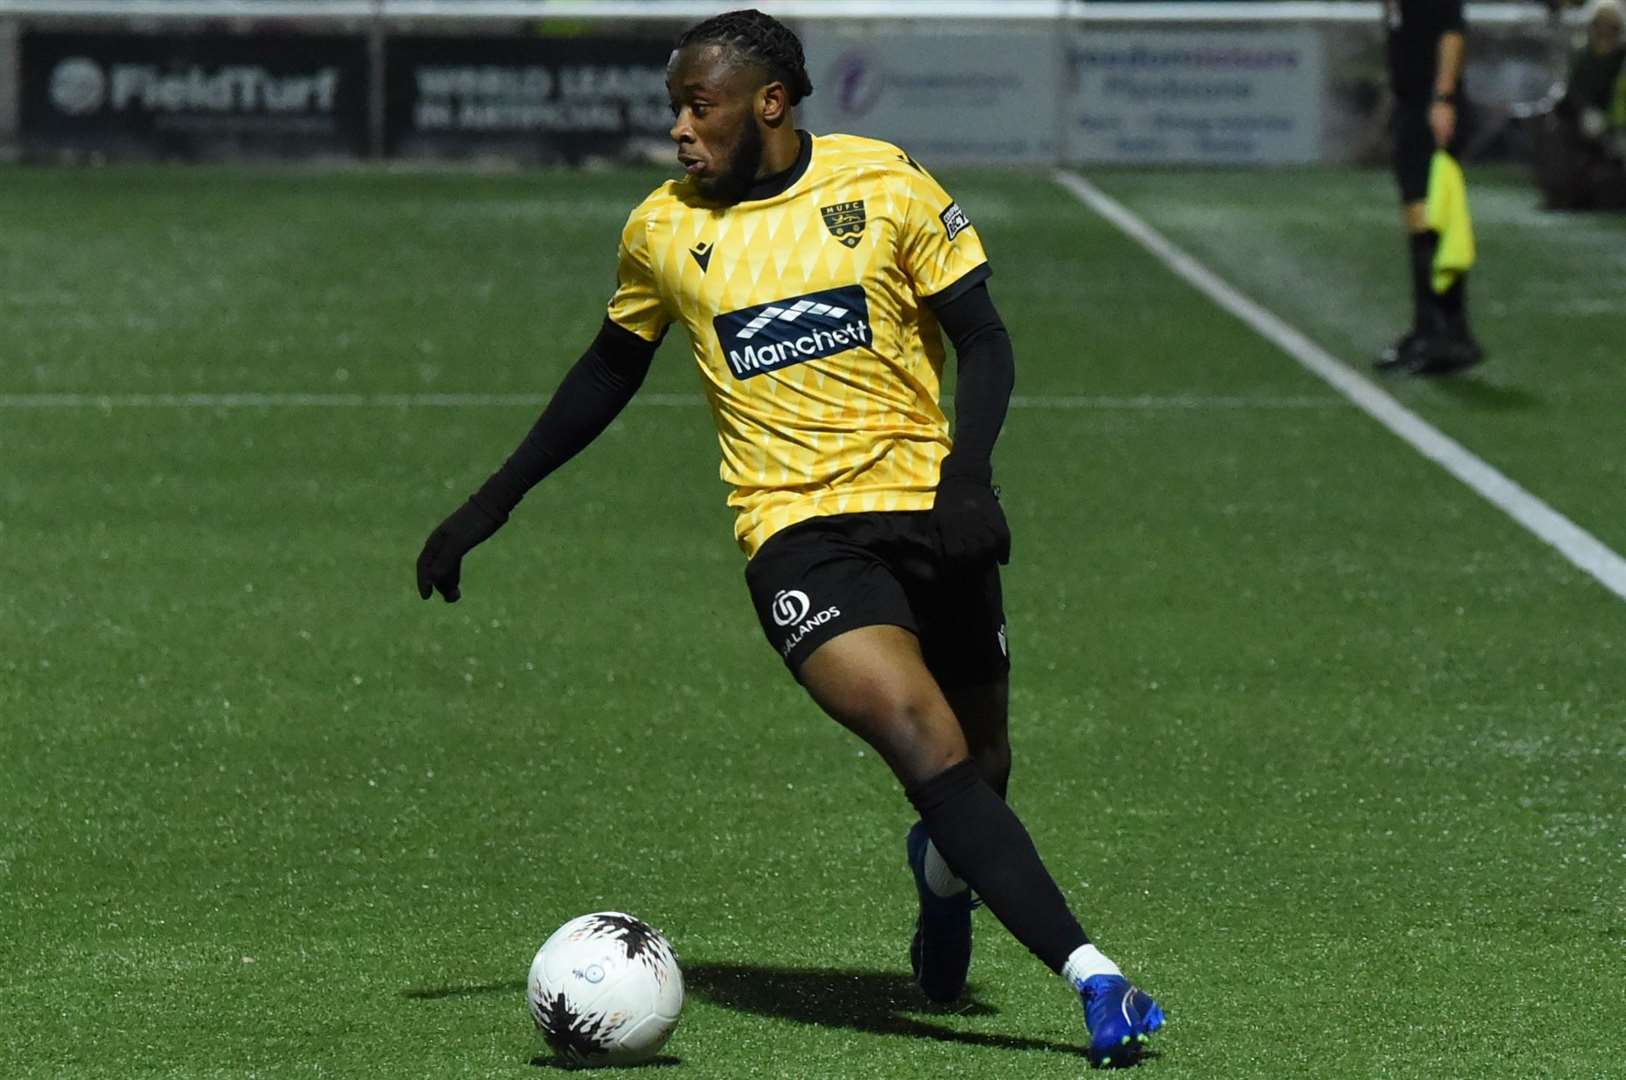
(716, 124)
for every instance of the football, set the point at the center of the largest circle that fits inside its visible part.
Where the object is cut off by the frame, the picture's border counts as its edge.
(605, 989)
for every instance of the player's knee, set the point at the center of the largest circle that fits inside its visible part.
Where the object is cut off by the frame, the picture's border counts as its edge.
(909, 718)
(890, 707)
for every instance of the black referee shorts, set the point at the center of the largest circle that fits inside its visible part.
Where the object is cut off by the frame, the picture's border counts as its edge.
(1414, 146)
(827, 575)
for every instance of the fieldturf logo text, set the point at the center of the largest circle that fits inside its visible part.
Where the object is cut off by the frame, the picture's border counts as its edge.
(769, 336)
(80, 86)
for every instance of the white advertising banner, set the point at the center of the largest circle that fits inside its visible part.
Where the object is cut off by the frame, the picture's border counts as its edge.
(1209, 96)
(944, 97)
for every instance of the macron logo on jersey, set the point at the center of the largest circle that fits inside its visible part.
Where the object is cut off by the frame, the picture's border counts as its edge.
(769, 336)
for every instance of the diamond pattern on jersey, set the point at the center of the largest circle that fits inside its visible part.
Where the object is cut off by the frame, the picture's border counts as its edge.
(857, 429)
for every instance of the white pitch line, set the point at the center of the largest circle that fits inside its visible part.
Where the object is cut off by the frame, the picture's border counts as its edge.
(1570, 540)
(417, 401)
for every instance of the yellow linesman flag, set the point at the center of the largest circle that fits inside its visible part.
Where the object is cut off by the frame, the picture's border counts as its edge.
(1447, 210)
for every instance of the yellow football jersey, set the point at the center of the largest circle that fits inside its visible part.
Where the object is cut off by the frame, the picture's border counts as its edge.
(821, 363)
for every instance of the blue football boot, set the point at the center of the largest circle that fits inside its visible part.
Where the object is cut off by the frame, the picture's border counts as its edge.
(1120, 1018)
(940, 953)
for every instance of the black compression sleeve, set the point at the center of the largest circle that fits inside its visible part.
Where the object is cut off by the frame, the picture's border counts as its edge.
(592, 393)
(986, 374)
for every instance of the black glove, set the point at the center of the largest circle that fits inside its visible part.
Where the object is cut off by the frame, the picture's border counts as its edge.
(440, 564)
(968, 520)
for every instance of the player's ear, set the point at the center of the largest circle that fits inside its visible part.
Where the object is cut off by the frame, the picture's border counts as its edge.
(773, 104)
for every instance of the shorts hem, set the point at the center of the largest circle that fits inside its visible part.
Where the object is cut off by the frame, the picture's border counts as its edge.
(804, 649)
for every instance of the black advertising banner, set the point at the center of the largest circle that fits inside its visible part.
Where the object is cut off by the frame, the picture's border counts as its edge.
(540, 100)
(195, 95)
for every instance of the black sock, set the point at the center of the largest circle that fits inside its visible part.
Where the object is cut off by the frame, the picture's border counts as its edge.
(983, 842)
(1424, 308)
(1454, 304)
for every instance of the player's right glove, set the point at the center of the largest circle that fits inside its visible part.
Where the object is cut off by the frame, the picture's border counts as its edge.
(969, 522)
(440, 564)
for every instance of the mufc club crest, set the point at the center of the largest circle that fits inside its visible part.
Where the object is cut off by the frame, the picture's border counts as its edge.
(845, 220)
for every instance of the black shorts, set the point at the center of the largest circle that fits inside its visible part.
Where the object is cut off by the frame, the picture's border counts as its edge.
(1414, 146)
(827, 575)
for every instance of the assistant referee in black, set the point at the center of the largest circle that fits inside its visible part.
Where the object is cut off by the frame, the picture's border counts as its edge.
(1426, 48)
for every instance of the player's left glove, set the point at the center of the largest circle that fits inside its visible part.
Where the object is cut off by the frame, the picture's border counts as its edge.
(968, 520)
(440, 564)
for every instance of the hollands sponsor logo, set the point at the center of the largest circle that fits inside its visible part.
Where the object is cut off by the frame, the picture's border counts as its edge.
(799, 328)
(790, 608)
(80, 86)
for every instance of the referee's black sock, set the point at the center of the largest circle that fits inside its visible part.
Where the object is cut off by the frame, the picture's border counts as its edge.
(1425, 310)
(983, 842)
(1454, 304)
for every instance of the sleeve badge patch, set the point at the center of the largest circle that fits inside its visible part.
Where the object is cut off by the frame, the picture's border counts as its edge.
(954, 220)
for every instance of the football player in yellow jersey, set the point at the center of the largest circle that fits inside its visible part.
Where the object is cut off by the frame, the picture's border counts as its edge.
(814, 277)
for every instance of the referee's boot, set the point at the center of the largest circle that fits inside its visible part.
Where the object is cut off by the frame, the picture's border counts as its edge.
(1450, 347)
(1398, 355)
(1448, 355)
(940, 953)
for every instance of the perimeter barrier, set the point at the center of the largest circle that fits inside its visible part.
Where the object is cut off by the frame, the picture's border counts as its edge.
(582, 81)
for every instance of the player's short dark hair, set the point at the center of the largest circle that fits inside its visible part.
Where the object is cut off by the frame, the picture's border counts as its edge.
(757, 39)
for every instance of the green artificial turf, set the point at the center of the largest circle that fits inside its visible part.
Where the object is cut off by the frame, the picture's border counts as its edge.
(1325, 749)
